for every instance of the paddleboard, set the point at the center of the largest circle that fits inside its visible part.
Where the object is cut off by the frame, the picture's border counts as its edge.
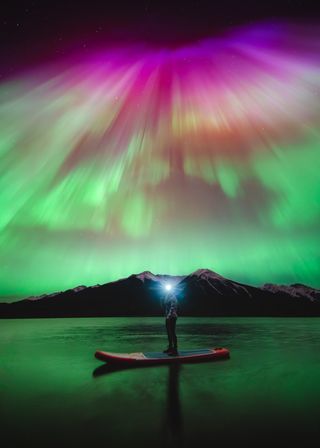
(144, 358)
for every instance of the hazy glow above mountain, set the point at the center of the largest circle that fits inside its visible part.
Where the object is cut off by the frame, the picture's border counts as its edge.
(168, 160)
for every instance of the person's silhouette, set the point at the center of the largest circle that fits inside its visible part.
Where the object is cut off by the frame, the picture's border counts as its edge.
(171, 315)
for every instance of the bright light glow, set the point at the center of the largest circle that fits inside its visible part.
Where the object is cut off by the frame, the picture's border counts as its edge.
(168, 287)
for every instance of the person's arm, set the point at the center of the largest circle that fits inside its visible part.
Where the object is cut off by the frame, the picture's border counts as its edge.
(173, 308)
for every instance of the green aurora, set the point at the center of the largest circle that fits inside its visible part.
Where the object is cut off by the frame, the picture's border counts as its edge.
(205, 156)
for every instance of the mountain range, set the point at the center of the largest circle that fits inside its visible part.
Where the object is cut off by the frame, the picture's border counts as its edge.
(201, 293)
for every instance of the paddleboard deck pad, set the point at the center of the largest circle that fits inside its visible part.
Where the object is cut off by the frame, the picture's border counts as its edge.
(198, 355)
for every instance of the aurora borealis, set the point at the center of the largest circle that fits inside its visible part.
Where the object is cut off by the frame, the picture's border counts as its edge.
(148, 157)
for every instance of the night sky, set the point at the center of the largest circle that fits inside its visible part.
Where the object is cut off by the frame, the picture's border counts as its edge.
(165, 137)
(37, 31)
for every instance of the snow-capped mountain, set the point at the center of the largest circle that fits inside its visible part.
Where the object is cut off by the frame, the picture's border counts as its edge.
(147, 275)
(160, 278)
(217, 283)
(201, 293)
(206, 274)
(53, 294)
(296, 290)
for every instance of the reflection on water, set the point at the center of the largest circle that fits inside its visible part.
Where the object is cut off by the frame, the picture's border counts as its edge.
(173, 415)
(173, 408)
(54, 392)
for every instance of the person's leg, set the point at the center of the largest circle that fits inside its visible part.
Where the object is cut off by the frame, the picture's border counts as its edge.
(173, 337)
(170, 342)
(173, 334)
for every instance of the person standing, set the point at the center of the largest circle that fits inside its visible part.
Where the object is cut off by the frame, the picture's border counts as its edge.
(171, 315)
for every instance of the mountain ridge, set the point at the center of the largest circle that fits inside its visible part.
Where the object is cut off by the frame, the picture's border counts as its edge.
(202, 292)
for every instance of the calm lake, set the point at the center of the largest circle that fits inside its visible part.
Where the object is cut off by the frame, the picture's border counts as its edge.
(52, 392)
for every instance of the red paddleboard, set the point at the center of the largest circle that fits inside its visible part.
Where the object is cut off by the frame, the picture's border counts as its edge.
(198, 355)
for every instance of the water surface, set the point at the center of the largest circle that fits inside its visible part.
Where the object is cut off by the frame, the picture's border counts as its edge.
(53, 393)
